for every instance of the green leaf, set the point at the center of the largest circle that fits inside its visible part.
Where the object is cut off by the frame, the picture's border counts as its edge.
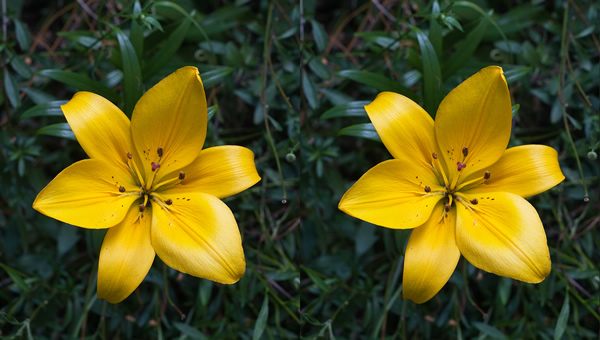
(450, 22)
(189, 330)
(517, 73)
(81, 82)
(432, 73)
(211, 111)
(366, 131)
(136, 33)
(62, 130)
(315, 277)
(132, 72)
(38, 96)
(261, 320)
(15, 277)
(352, 109)
(319, 35)
(213, 77)
(465, 50)
(12, 89)
(21, 67)
(378, 81)
(45, 110)
(563, 317)
(435, 29)
(310, 91)
(167, 50)
(515, 109)
(22, 33)
(490, 331)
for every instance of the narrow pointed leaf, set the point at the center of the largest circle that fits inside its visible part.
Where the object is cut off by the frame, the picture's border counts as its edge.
(432, 74)
(261, 320)
(12, 89)
(211, 111)
(212, 77)
(167, 50)
(81, 82)
(62, 130)
(366, 131)
(378, 81)
(45, 110)
(435, 29)
(466, 49)
(563, 317)
(136, 33)
(132, 73)
(352, 109)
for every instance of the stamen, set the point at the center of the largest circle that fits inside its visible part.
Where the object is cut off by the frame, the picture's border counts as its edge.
(460, 165)
(440, 174)
(160, 152)
(427, 189)
(474, 201)
(465, 151)
(169, 201)
(121, 189)
(447, 207)
(487, 175)
(142, 207)
(154, 166)
(181, 175)
(129, 155)
(434, 155)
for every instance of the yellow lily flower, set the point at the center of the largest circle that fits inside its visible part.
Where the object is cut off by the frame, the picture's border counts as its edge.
(152, 185)
(458, 186)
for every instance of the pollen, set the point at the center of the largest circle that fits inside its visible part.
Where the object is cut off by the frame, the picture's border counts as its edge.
(121, 189)
(154, 166)
(474, 201)
(427, 189)
(434, 155)
(129, 155)
(447, 207)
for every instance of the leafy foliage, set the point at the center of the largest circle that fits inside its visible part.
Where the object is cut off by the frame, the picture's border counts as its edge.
(288, 79)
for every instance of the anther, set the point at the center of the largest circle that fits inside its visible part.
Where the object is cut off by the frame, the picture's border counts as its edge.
(427, 189)
(465, 151)
(474, 201)
(169, 201)
(160, 152)
(181, 175)
(129, 155)
(446, 207)
(460, 166)
(154, 166)
(142, 208)
(121, 189)
(434, 155)
(487, 175)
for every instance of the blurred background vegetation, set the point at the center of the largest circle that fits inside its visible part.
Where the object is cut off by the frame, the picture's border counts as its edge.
(288, 80)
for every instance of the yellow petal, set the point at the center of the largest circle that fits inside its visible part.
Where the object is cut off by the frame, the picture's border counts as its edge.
(523, 170)
(171, 115)
(86, 194)
(404, 127)
(199, 236)
(503, 235)
(101, 128)
(220, 171)
(392, 194)
(126, 256)
(431, 256)
(477, 115)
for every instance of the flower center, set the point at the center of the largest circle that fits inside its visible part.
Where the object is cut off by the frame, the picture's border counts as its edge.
(452, 189)
(147, 189)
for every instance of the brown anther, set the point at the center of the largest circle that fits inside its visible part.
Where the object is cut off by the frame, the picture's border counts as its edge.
(181, 175)
(474, 201)
(487, 175)
(142, 208)
(160, 152)
(121, 189)
(169, 201)
(447, 207)
(427, 189)
(434, 155)
(129, 155)
(465, 151)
